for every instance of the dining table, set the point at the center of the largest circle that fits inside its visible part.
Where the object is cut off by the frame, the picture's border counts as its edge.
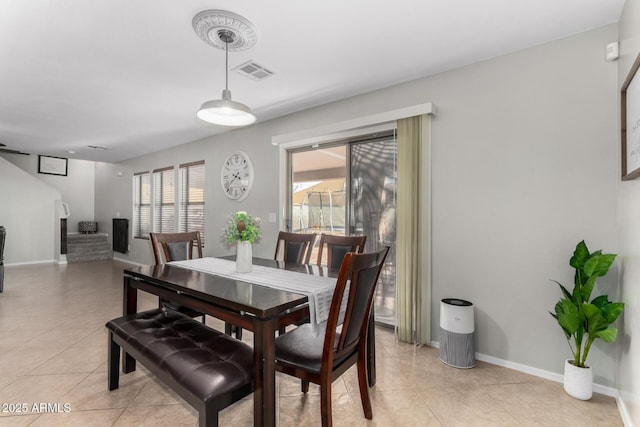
(273, 296)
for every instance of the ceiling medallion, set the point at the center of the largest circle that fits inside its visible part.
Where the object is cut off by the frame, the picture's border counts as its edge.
(208, 24)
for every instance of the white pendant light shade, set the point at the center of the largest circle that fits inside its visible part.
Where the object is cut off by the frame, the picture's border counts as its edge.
(221, 29)
(226, 112)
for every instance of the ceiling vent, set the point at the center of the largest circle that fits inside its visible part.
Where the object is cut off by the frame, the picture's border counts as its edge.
(253, 70)
(97, 147)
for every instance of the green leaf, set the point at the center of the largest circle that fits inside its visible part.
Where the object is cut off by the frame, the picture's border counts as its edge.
(568, 316)
(579, 334)
(598, 265)
(600, 301)
(610, 310)
(607, 335)
(577, 293)
(587, 288)
(566, 333)
(596, 322)
(580, 256)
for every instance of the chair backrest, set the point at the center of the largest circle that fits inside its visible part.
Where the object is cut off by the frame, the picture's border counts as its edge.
(295, 247)
(175, 246)
(360, 273)
(337, 248)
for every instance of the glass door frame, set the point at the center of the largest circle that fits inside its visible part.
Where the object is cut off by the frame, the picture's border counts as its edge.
(287, 208)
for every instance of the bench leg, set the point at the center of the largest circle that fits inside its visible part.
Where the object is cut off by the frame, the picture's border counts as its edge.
(208, 417)
(114, 363)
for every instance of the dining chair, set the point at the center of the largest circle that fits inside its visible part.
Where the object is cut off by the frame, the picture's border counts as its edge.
(322, 356)
(294, 247)
(169, 247)
(337, 248)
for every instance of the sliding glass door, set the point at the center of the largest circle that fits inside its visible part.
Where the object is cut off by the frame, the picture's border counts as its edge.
(349, 188)
(372, 205)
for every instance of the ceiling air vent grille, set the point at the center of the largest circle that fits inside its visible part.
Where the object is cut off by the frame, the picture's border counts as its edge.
(253, 70)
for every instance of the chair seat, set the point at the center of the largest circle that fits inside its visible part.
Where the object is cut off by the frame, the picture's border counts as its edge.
(302, 347)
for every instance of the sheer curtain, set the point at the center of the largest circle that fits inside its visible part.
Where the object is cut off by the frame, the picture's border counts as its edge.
(413, 230)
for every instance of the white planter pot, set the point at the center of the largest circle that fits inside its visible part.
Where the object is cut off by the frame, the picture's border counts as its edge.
(578, 382)
(243, 257)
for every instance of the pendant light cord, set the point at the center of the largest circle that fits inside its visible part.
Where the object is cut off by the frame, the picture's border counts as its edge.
(226, 65)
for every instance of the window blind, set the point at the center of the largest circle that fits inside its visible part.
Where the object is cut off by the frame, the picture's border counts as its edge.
(164, 200)
(141, 205)
(191, 208)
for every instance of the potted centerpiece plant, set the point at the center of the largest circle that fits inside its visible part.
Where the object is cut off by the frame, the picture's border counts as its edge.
(243, 230)
(583, 320)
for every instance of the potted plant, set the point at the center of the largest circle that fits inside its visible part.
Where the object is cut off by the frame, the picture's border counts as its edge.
(244, 230)
(583, 320)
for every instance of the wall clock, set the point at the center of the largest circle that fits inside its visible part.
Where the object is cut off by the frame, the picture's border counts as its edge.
(236, 176)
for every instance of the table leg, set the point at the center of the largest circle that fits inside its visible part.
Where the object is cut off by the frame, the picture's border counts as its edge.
(371, 351)
(264, 397)
(130, 306)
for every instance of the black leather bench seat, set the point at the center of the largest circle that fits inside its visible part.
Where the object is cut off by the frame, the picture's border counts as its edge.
(208, 369)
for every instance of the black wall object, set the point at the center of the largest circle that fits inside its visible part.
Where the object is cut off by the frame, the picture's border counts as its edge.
(63, 236)
(121, 235)
(3, 233)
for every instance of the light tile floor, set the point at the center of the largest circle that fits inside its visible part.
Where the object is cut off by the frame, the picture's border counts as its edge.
(53, 352)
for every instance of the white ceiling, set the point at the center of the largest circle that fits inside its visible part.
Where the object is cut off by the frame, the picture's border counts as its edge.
(129, 75)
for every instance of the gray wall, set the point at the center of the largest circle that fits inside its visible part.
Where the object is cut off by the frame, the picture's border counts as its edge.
(629, 232)
(525, 164)
(115, 193)
(77, 188)
(27, 211)
(524, 167)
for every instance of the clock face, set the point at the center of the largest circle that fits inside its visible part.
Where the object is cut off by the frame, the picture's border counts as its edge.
(236, 176)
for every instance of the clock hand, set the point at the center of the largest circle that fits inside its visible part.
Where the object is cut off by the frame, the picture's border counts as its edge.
(228, 184)
(235, 176)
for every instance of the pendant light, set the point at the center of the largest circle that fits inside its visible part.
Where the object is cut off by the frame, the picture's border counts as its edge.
(226, 112)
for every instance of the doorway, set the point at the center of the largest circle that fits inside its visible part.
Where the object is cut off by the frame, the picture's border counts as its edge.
(348, 187)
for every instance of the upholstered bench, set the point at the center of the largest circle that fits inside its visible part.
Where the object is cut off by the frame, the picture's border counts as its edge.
(208, 369)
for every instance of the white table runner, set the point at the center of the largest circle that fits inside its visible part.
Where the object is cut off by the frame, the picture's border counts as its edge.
(318, 289)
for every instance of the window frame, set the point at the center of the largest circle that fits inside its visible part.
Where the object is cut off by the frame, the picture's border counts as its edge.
(184, 203)
(138, 229)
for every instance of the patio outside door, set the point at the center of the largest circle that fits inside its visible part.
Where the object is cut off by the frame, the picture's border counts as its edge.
(349, 188)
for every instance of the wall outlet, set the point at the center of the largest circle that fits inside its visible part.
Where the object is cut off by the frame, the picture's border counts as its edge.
(272, 217)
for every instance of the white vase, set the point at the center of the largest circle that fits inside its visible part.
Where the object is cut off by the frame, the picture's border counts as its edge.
(243, 257)
(578, 382)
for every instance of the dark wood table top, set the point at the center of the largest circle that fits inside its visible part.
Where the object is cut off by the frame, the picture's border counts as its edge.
(260, 301)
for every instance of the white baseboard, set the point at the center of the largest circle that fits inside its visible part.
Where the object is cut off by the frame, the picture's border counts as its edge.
(15, 264)
(624, 413)
(536, 372)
